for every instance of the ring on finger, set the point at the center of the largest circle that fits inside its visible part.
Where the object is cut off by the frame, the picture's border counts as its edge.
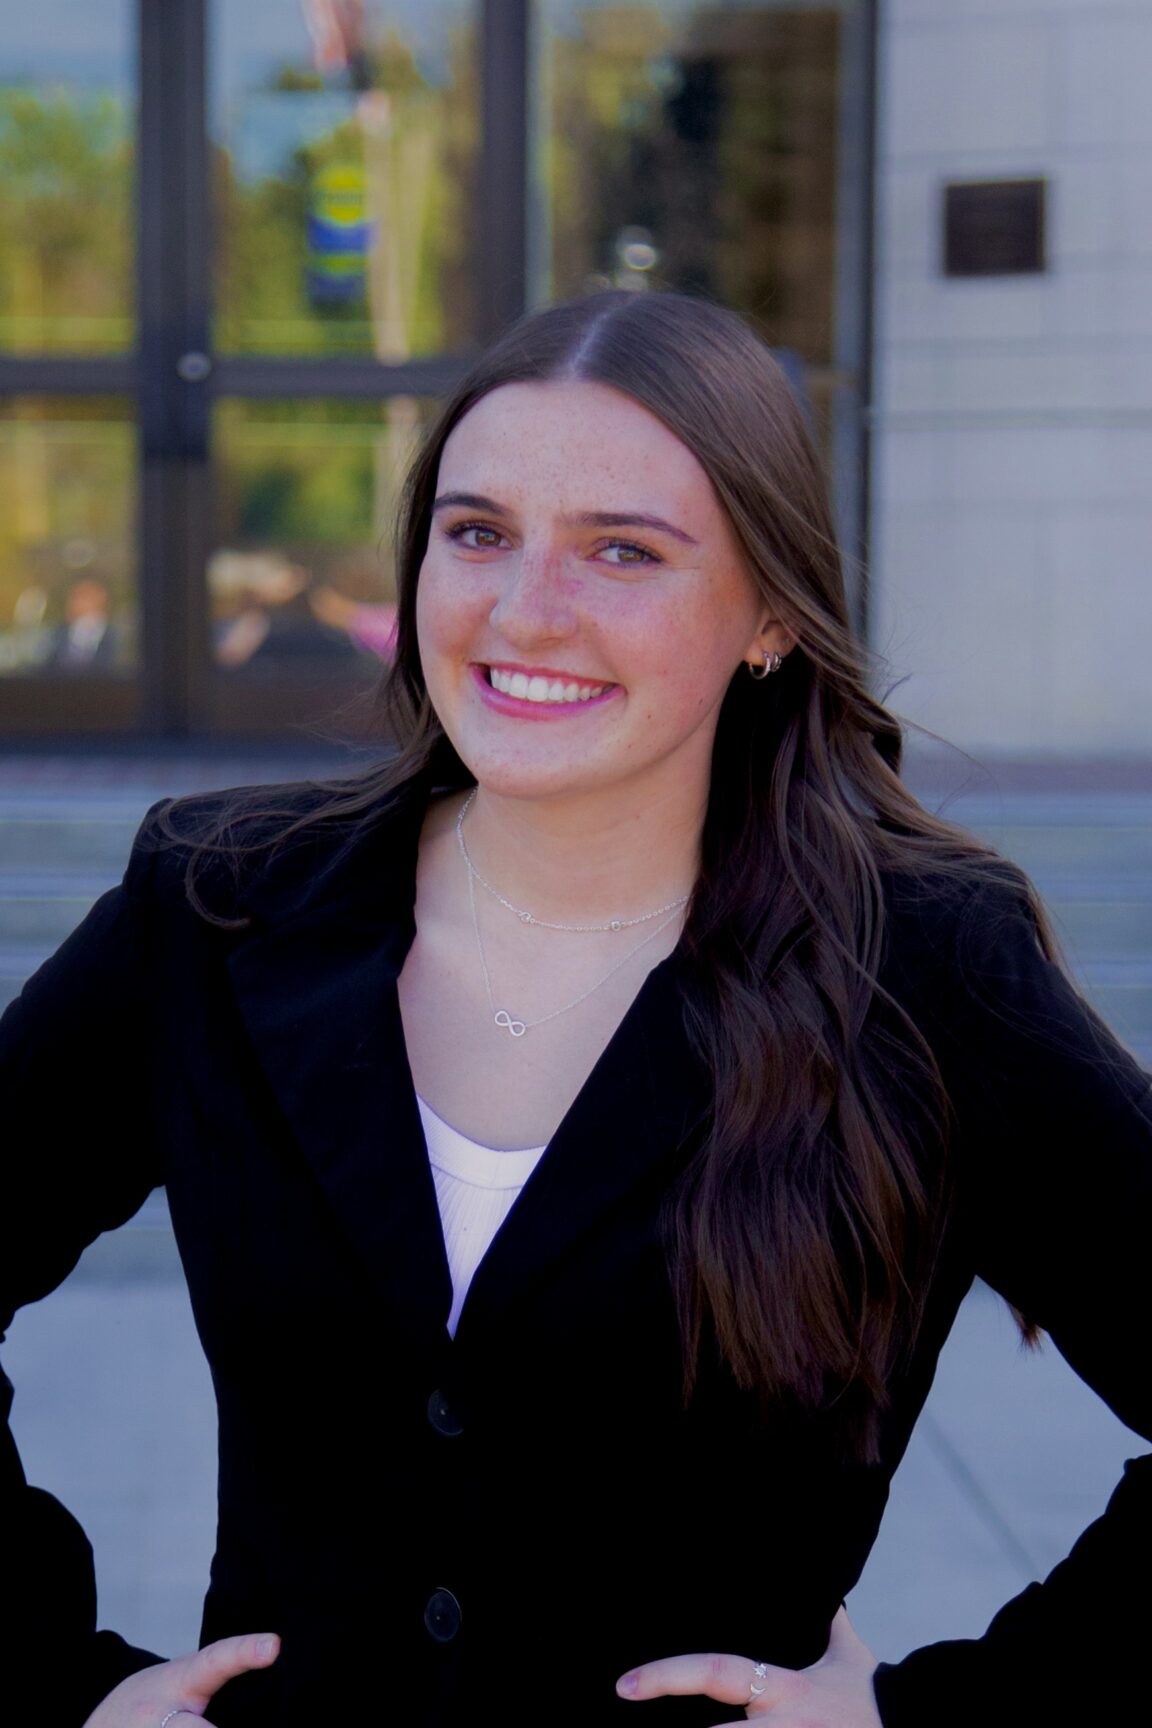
(179, 1711)
(759, 1672)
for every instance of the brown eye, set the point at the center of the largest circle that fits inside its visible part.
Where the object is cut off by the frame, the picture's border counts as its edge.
(476, 536)
(628, 554)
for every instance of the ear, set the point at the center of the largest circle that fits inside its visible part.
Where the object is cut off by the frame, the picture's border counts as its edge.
(772, 637)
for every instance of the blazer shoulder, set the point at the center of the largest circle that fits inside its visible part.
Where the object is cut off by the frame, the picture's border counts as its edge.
(952, 939)
(949, 917)
(977, 966)
(260, 849)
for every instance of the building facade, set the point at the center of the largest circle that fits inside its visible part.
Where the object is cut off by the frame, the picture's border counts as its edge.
(1012, 418)
(244, 248)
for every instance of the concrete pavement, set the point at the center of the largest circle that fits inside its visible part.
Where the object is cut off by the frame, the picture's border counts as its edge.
(1013, 1456)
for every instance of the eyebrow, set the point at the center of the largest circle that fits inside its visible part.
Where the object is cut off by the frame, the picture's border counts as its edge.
(468, 501)
(586, 519)
(630, 519)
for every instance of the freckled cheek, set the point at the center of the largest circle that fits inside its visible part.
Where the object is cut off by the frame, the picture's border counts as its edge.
(448, 614)
(671, 698)
(691, 686)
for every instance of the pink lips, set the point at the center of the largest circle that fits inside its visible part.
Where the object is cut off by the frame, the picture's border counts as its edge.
(515, 706)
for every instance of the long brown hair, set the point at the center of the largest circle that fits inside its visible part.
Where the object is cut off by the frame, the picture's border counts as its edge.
(802, 1234)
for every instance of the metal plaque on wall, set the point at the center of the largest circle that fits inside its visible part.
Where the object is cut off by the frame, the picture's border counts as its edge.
(994, 227)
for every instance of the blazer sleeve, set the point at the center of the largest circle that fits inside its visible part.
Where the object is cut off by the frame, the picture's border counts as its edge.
(79, 1157)
(1053, 1142)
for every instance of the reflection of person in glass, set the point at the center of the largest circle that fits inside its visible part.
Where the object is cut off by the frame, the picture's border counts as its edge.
(370, 624)
(275, 622)
(582, 1128)
(87, 637)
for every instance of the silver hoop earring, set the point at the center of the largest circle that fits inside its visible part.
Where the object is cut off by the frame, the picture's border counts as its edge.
(772, 663)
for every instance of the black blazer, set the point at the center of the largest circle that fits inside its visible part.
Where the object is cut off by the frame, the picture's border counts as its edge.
(510, 1519)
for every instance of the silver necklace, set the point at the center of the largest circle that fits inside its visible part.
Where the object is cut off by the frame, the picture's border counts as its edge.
(543, 923)
(512, 1023)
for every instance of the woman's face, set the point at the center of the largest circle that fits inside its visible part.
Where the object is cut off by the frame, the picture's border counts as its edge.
(582, 603)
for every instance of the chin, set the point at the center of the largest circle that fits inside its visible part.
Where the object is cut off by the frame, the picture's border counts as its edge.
(504, 782)
(505, 778)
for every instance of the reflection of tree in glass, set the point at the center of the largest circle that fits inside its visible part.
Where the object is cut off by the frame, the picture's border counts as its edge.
(66, 172)
(305, 480)
(713, 129)
(414, 143)
(317, 481)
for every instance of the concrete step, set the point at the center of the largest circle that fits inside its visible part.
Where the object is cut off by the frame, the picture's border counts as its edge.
(38, 923)
(70, 839)
(1096, 930)
(1049, 851)
(65, 835)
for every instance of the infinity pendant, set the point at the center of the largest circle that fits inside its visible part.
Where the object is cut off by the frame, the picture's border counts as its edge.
(516, 1027)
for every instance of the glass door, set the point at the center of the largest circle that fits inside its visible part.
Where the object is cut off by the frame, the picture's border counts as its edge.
(245, 247)
(69, 570)
(345, 145)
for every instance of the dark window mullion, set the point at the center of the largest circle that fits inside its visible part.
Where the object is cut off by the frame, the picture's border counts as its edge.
(851, 405)
(173, 287)
(502, 229)
(353, 379)
(63, 375)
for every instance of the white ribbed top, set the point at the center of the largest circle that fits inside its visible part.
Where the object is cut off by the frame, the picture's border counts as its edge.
(475, 1189)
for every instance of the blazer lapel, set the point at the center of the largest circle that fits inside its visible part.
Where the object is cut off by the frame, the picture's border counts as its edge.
(632, 1121)
(316, 985)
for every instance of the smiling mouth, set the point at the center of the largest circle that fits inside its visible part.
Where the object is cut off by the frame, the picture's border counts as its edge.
(540, 689)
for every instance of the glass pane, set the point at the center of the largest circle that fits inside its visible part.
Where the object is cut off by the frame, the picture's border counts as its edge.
(302, 580)
(346, 140)
(693, 146)
(67, 177)
(68, 591)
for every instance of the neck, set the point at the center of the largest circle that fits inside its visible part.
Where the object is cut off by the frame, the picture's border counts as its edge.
(586, 858)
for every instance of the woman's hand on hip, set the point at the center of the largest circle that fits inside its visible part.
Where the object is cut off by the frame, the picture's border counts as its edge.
(835, 1692)
(183, 1687)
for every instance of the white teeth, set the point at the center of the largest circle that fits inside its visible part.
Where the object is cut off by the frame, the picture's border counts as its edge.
(541, 689)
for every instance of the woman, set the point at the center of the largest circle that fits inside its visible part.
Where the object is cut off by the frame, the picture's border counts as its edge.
(581, 1131)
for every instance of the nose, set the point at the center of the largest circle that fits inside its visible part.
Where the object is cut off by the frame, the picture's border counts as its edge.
(535, 601)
